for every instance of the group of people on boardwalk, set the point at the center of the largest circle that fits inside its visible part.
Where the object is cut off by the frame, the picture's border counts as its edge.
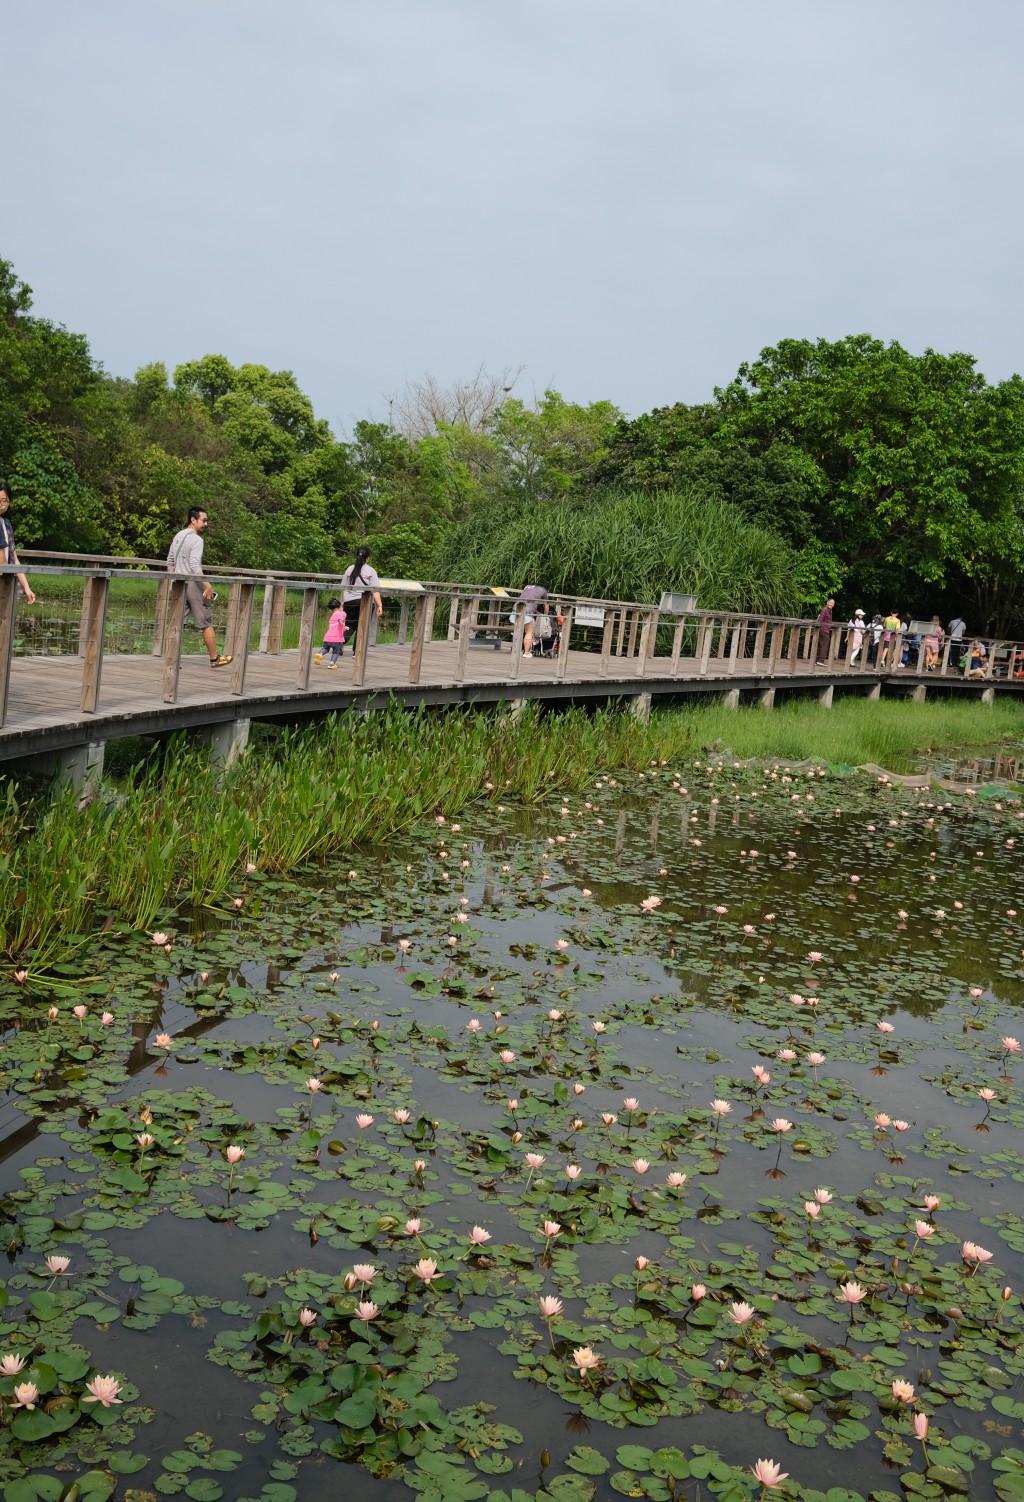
(888, 642)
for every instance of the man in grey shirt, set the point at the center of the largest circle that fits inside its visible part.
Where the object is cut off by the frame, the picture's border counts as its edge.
(185, 556)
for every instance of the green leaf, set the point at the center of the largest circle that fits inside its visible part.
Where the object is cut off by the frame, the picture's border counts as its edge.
(588, 1461)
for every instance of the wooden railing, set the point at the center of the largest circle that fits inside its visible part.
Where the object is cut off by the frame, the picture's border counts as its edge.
(624, 639)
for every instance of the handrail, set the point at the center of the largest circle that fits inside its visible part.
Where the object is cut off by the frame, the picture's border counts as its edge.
(701, 643)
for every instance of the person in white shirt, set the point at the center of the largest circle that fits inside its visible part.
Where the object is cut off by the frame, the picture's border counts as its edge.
(185, 556)
(359, 579)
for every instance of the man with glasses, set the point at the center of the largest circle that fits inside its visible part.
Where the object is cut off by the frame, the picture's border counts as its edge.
(185, 556)
(8, 552)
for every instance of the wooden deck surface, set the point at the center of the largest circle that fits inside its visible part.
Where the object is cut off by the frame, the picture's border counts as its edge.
(44, 711)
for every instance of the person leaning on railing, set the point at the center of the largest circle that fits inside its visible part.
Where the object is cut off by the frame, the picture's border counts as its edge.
(8, 552)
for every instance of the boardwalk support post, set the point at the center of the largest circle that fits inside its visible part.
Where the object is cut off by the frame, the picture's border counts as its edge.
(228, 742)
(988, 695)
(731, 699)
(640, 707)
(919, 693)
(82, 767)
(875, 691)
(825, 697)
(766, 699)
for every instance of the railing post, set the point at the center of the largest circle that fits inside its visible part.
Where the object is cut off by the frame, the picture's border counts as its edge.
(606, 642)
(277, 620)
(268, 605)
(367, 609)
(645, 634)
(160, 621)
(563, 645)
(421, 634)
(240, 640)
(622, 631)
(677, 643)
(794, 648)
(947, 648)
(310, 595)
(83, 618)
(94, 620)
(759, 637)
(172, 637)
(835, 635)
(229, 626)
(708, 628)
(8, 597)
(467, 617)
(518, 631)
(634, 621)
(403, 621)
(734, 645)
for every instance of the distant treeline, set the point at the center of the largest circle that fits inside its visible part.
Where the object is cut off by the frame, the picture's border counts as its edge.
(850, 468)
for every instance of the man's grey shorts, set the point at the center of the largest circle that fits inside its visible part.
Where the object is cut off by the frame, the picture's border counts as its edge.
(200, 609)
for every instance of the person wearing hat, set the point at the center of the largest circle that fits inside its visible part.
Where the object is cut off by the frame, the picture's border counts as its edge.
(857, 628)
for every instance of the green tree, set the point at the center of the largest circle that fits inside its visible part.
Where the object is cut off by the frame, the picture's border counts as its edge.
(546, 451)
(914, 464)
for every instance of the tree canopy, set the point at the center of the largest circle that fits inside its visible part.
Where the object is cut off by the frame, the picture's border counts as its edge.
(850, 467)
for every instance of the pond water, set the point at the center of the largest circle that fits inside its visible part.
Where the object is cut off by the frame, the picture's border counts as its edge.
(752, 1010)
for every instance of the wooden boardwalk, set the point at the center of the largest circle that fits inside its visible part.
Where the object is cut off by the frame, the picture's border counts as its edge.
(44, 713)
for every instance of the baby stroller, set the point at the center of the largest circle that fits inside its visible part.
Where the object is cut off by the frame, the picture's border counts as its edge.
(547, 631)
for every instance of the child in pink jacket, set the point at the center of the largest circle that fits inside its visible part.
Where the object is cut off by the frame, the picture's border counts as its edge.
(334, 636)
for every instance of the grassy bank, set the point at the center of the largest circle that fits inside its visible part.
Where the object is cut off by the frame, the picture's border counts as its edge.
(174, 832)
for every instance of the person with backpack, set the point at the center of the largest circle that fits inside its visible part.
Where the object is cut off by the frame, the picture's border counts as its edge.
(533, 603)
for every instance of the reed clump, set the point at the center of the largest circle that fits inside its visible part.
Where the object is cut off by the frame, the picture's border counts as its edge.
(177, 830)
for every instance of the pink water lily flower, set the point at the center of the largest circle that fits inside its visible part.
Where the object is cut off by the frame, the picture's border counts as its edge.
(971, 1252)
(920, 1426)
(234, 1154)
(903, 1391)
(479, 1237)
(551, 1229)
(780, 1124)
(145, 1139)
(650, 903)
(367, 1310)
(26, 1395)
(675, 1180)
(573, 1171)
(641, 1165)
(851, 1293)
(932, 1202)
(313, 1084)
(58, 1265)
(401, 1115)
(103, 1390)
(412, 1226)
(769, 1473)
(630, 1103)
(584, 1359)
(550, 1307)
(365, 1272)
(740, 1313)
(364, 1120)
(987, 1095)
(812, 1208)
(720, 1107)
(823, 1196)
(1011, 1045)
(426, 1270)
(159, 938)
(698, 1291)
(507, 1056)
(11, 1364)
(307, 1318)
(885, 1027)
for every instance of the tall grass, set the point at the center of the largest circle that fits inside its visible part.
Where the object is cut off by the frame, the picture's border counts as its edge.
(180, 831)
(627, 546)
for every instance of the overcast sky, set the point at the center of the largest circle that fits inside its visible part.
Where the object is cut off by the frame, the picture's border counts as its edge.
(626, 197)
